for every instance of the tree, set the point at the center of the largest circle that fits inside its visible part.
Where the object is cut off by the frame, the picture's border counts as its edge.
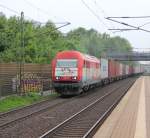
(43, 41)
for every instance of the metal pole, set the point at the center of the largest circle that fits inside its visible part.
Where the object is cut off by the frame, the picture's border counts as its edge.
(0, 87)
(21, 62)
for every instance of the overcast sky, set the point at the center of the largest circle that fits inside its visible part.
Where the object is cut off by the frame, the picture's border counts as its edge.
(76, 12)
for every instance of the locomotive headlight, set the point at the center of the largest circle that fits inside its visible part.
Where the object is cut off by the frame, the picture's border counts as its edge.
(57, 78)
(74, 78)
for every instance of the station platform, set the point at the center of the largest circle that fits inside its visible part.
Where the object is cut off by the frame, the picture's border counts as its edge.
(131, 117)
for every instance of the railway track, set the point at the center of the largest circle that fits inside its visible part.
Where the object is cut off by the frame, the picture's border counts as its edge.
(84, 123)
(23, 108)
(37, 123)
(10, 118)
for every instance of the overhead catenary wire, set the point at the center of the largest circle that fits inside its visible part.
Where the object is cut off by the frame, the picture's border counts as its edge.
(43, 11)
(102, 11)
(12, 10)
(130, 17)
(33, 21)
(116, 30)
(144, 24)
(68, 23)
(38, 9)
(123, 23)
(15, 12)
(123, 29)
(96, 15)
(32, 5)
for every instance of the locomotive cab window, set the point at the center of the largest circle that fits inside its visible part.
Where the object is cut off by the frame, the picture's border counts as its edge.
(67, 63)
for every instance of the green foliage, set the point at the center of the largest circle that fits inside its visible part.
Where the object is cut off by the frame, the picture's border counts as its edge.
(42, 42)
(16, 101)
(96, 44)
(12, 102)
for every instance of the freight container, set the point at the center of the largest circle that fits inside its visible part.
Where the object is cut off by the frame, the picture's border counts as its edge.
(131, 69)
(104, 68)
(111, 68)
(117, 68)
(137, 69)
(127, 69)
(121, 69)
(141, 68)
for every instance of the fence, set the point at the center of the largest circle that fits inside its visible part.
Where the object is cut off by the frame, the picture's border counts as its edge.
(36, 77)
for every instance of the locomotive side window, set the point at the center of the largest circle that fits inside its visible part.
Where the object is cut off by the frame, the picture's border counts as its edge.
(66, 63)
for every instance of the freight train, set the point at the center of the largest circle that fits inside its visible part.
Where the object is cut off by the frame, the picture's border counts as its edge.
(74, 72)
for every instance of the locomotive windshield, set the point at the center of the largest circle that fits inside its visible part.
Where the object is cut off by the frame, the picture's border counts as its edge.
(67, 63)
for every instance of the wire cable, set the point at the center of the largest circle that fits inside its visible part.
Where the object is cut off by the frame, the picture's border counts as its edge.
(101, 9)
(50, 30)
(3, 6)
(41, 10)
(123, 23)
(33, 21)
(144, 24)
(131, 17)
(14, 11)
(97, 16)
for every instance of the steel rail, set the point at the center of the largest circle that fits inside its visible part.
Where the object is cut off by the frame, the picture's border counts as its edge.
(94, 128)
(24, 107)
(13, 121)
(53, 130)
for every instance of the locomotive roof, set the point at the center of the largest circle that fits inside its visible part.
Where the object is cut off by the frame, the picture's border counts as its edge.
(78, 54)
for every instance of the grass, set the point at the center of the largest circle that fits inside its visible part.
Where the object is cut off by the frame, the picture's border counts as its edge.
(13, 102)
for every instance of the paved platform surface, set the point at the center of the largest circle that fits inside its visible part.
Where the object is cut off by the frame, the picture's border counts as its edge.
(131, 118)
